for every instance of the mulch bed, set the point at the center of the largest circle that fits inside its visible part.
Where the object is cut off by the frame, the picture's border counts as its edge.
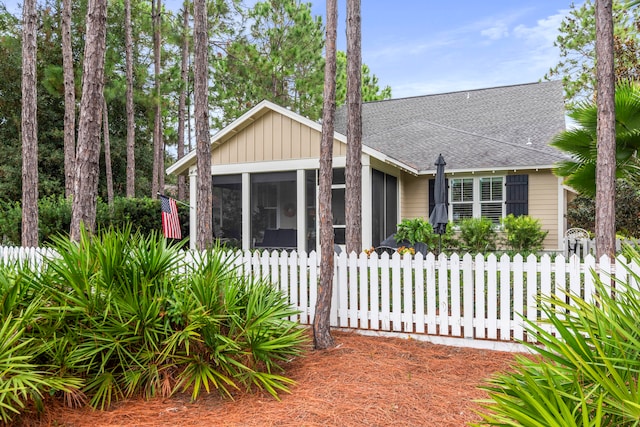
(363, 381)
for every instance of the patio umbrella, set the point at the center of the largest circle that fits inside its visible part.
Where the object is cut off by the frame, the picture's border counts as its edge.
(439, 217)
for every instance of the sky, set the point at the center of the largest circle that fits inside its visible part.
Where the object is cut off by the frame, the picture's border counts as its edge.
(421, 47)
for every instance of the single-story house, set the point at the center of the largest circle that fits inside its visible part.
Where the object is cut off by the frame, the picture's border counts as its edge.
(495, 142)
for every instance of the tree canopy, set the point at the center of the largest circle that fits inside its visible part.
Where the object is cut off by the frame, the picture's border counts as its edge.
(581, 142)
(273, 50)
(576, 42)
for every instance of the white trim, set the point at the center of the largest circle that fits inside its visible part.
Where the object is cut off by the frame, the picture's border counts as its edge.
(246, 211)
(193, 212)
(301, 210)
(365, 204)
(273, 166)
(503, 170)
(562, 204)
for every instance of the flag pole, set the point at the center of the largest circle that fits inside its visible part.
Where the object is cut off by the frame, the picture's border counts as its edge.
(177, 201)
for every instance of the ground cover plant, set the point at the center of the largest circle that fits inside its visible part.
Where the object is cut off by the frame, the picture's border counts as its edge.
(588, 373)
(121, 314)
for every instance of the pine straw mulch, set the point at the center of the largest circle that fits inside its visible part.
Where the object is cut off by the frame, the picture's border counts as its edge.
(363, 381)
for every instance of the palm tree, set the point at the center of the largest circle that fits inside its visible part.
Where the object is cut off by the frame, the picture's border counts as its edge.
(581, 142)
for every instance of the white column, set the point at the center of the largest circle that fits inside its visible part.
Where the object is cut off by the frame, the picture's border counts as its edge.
(301, 210)
(193, 218)
(246, 211)
(366, 202)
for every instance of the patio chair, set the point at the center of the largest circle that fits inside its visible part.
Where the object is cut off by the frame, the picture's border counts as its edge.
(573, 237)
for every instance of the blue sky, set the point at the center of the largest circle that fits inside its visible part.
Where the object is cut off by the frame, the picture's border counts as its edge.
(421, 47)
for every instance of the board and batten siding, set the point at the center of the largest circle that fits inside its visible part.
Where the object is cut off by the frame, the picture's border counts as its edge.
(272, 137)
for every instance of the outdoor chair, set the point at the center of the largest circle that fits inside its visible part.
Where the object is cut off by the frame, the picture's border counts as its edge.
(575, 236)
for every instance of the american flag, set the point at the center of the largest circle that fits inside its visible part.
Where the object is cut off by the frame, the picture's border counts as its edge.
(170, 220)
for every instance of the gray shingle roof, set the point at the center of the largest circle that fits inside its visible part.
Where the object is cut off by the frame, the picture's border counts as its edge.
(502, 127)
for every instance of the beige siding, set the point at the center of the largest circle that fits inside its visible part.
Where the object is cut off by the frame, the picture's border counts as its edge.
(543, 204)
(415, 196)
(272, 137)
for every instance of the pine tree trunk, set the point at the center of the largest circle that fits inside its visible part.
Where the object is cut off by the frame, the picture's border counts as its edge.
(204, 230)
(322, 338)
(69, 100)
(184, 77)
(606, 132)
(131, 127)
(85, 190)
(353, 169)
(156, 8)
(29, 126)
(107, 153)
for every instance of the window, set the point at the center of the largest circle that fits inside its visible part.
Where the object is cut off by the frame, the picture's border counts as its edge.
(476, 197)
(491, 198)
(461, 198)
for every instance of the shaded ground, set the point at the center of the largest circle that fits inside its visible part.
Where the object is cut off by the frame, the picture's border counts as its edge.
(364, 381)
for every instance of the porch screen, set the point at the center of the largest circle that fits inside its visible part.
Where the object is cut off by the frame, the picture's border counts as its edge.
(273, 206)
(227, 208)
(384, 206)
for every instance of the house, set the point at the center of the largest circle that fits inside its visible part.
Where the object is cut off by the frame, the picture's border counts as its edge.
(494, 141)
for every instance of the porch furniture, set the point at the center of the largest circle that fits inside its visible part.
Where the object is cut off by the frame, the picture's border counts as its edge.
(280, 238)
(575, 237)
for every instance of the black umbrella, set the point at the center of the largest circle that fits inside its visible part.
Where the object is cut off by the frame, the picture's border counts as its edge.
(439, 217)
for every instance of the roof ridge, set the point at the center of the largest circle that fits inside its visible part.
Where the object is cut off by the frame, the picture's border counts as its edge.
(379, 101)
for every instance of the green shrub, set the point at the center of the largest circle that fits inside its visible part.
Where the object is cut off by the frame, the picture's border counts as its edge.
(477, 235)
(523, 234)
(581, 211)
(122, 314)
(54, 218)
(586, 374)
(414, 231)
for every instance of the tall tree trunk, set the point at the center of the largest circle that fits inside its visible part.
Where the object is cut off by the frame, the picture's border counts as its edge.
(85, 190)
(204, 230)
(353, 170)
(606, 146)
(184, 77)
(69, 100)
(29, 126)
(107, 153)
(158, 145)
(322, 338)
(131, 124)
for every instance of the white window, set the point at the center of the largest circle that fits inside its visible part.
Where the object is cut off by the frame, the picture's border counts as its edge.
(476, 197)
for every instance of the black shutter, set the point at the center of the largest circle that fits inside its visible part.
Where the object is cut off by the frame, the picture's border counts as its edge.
(432, 202)
(517, 194)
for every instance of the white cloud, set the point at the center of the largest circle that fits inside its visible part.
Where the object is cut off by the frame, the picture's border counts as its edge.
(496, 32)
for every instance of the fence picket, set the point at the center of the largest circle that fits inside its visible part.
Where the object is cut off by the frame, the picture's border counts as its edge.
(420, 295)
(467, 295)
(431, 294)
(518, 297)
(481, 313)
(364, 291)
(396, 293)
(454, 294)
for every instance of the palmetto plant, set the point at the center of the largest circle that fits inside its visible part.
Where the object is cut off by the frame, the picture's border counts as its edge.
(588, 373)
(128, 314)
(581, 142)
(23, 378)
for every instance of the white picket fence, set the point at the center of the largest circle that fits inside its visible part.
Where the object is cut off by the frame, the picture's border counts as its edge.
(470, 301)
